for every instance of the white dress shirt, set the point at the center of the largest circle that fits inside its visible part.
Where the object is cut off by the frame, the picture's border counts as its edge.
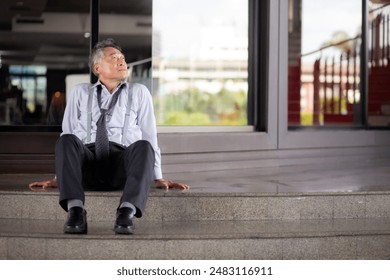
(141, 124)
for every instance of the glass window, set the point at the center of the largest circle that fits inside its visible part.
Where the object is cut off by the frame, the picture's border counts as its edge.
(379, 66)
(129, 23)
(200, 62)
(41, 43)
(324, 64)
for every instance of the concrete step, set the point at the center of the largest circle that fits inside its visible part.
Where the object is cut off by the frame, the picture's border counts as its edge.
(193, 163)
(274, 239)
(190, 206)
(329, 210)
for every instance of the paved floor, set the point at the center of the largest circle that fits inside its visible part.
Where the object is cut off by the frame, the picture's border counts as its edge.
(359, 176)
(283, 228)
(202, 229)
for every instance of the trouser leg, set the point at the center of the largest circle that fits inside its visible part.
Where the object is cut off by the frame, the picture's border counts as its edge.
(71, 155)
(137, 164)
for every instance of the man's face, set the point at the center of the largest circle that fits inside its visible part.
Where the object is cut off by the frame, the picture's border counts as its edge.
(112, 65)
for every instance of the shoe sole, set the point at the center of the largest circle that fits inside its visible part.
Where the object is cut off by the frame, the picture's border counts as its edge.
(123, 230)
(76, 230)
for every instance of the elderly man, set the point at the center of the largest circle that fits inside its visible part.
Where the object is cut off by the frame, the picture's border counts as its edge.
(109, 142)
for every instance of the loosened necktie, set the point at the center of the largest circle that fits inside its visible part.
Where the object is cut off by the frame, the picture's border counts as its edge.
(101, 143)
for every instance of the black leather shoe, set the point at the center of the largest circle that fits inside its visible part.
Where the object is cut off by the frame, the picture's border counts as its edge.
(77, 221)
(124, 223)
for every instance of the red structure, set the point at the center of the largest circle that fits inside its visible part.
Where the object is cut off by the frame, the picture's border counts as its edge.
(335, 83)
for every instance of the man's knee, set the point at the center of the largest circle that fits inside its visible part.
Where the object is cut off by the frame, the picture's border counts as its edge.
(66, 141)
(142, 147)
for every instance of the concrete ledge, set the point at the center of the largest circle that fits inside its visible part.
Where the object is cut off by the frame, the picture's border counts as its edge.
(213, 160)
(178, 206)
(320, 239)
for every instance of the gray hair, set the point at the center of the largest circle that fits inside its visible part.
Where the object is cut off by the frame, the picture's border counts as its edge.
(98, 51)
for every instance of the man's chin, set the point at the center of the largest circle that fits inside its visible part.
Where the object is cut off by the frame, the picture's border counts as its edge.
(125, 74)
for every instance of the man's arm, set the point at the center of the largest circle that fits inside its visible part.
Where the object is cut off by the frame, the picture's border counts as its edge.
(147, 123)
(71, 110)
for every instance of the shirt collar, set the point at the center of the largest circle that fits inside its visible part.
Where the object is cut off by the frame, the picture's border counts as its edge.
(125, 83)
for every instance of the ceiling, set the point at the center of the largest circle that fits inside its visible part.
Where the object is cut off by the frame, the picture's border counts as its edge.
(53, 32)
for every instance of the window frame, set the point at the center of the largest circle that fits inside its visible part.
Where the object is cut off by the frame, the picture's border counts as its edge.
(320, 137)
(260, 134)
(268, 130)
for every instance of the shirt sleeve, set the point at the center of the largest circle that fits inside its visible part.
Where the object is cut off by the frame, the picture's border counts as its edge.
(70, 114)
(147, 124)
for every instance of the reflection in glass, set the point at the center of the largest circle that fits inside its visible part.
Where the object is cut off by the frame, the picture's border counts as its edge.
(41, 43)
(200, 58)
(324, 63)
(379, 66)
(30, 83)
(44, 50)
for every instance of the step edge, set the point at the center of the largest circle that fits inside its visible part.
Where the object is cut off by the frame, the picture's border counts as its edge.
(134, 237)
(214, 194)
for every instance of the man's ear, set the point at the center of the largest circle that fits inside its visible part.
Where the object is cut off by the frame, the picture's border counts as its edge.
(96, 68)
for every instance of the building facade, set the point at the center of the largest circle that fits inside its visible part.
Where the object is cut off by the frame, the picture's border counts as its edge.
(262, 81)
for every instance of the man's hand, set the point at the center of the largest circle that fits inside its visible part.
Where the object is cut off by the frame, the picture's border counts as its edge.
(43, 185)
(166, 184)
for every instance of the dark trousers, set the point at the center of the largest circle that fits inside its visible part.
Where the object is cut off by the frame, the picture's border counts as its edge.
(129, 169)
